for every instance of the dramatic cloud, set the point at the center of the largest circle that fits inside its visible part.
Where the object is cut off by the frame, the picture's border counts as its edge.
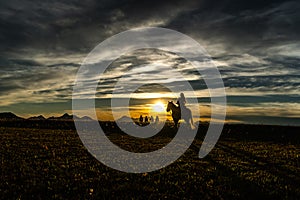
(255, 44)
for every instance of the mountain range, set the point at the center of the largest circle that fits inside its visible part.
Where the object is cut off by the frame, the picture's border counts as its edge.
(9, 116)
(66, 116)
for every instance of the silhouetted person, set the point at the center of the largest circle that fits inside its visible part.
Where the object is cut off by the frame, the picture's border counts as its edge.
(146, 119)
(181, 100)
(156, 119)
(141, 119)
(151, 119)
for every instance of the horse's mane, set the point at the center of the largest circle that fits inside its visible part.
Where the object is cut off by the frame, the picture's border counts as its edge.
(173, 103)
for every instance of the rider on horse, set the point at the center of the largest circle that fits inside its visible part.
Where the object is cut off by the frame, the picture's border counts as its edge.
(181, 101)
(180, 111)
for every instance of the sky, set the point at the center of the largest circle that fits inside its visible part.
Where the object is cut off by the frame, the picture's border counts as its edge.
(255, 45)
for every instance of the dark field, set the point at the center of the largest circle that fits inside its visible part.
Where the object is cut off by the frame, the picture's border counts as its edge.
(248, 162)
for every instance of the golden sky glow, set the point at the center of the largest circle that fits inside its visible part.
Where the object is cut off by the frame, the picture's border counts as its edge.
(158, 107)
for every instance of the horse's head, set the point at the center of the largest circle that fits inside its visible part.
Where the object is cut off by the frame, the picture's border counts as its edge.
(169, 106)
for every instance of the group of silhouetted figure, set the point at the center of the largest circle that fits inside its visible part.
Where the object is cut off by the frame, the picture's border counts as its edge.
(147, 119)
(178, 111)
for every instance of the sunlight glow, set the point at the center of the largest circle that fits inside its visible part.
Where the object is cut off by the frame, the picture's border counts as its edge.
(158, 107)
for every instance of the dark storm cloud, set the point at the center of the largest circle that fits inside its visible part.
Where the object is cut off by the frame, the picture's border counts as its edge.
(35, 84)
(288, 62)
(18, 62)
(8, 87)
(258, 119)
(79, 25)
(256, 43)
(243, 23)
(65, 64)
(49, 25)
(246, 101)
(71, 25)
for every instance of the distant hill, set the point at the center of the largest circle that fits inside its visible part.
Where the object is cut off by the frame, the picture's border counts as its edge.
(86, 118)
(125, 119)
(40, 117)
(9, 116)
(65, 116)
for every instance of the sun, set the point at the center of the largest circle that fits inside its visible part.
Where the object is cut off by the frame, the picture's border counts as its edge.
(158, 107)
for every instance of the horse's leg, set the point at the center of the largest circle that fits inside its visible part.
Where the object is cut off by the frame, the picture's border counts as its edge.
(177, 123)
(189, 119)
(174, 119)
(192, 121)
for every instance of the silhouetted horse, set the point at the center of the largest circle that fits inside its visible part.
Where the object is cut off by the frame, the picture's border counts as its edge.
(177, 115)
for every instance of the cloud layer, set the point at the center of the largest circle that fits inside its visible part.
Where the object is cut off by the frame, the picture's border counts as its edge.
(255, 45)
